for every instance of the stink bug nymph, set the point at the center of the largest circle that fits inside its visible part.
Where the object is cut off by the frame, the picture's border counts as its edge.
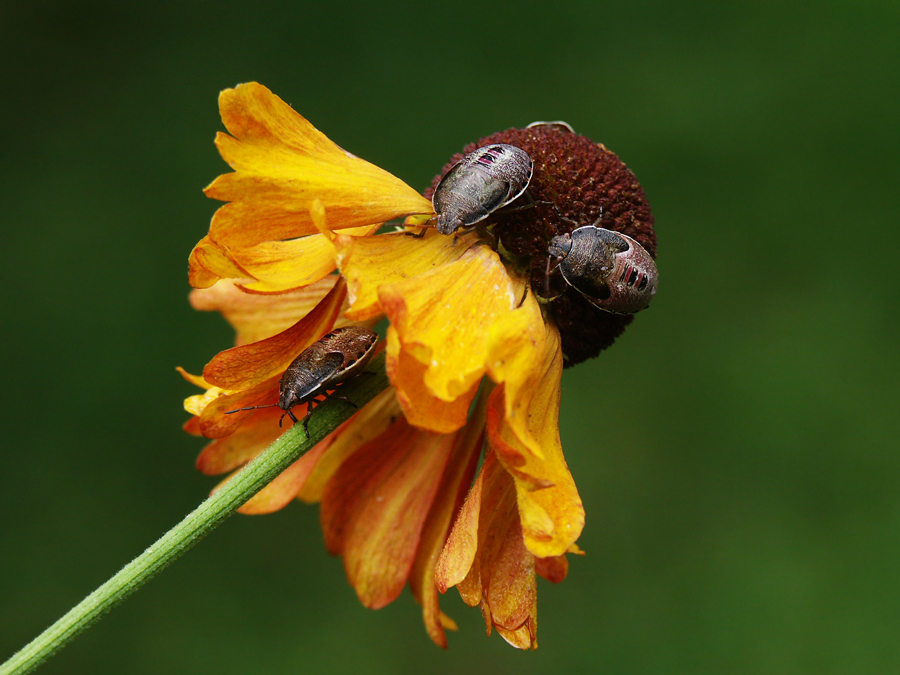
(335, 358)
(479, 184)
(610, 269)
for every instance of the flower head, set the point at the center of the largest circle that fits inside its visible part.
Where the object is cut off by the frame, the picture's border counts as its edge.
(474, 353)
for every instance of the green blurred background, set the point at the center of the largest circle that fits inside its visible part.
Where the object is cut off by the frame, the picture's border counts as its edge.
(736, 450)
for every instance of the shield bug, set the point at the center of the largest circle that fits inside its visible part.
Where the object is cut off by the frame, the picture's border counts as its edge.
(334, 359)
(557, 125)
(610, 269)
(479, 184)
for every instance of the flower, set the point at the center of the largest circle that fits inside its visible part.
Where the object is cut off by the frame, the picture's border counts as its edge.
(474, 358)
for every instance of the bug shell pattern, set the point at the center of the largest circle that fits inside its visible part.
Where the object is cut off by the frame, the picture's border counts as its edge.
(479, 184)
(323, 365)
(610, 269)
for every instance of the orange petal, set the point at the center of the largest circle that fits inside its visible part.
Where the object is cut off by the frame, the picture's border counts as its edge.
(367, 424)
(374, 508)
(549, 506)
(451, 494)
(552, 569)
(281, 164)
(247, 365)
(281, 491)
(501, 574)
(257, 317)
(235, 450)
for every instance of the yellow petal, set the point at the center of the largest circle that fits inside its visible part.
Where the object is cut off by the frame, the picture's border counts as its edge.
(209, 262)
(441, 318)
(549, 506)
(368, 263)
(281, 164)
(518, 355)
(422, 408)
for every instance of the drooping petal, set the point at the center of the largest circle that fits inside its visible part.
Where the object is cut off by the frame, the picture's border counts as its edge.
(250, 364)
(421, 407)
(257, 317)
(518, 351)
(451, 494)
(501, 574)
(375, 506)
(441, 318)
(551, 511)
(281, 491)
(235, 450)
(369, 423)
(281, 164)
(368, 263)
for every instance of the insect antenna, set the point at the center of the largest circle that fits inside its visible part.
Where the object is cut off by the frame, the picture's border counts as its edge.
(252, 407)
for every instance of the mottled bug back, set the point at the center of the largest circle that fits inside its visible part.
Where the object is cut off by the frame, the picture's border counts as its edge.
(308, 374)
(479, 184)
(610, 269)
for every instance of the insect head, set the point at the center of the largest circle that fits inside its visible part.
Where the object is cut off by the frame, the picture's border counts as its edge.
(479, 184)
(610, 269)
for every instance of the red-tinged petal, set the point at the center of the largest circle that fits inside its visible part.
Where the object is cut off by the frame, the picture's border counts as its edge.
(551, 511)
(525, 637)
(235, 450)
(369, 423)
(421, 407)
(215, 423)
(441, 318)
(281, 491)
(450, 496)
(552, 569)
(368, 263)
(459, 555)
(374, 508)
(500, 576)
(192, 426)
(257, 317)
(282, 163)
(247, 365)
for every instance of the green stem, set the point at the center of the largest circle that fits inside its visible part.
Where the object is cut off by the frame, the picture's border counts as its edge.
(246, 483)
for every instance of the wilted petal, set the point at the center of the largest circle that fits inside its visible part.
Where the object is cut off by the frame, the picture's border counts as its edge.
(499, 570)
(451, 494)
(551, 510)
(257, 317)
(375, 506)
(247, 365)
(441, 317)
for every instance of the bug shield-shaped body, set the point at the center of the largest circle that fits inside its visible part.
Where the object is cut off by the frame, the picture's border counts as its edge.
(335, 358)
(611, 270)
(479, 184)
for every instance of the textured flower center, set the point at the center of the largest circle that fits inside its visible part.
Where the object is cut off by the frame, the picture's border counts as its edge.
(576, 182)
